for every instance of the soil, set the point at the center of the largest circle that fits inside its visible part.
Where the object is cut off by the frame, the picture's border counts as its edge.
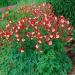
(71, 54)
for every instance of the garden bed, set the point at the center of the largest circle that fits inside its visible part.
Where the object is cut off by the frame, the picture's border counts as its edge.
(43, 52)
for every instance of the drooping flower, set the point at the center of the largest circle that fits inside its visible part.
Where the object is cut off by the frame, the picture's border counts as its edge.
(37, 46)
(22, 49)
(50, 43)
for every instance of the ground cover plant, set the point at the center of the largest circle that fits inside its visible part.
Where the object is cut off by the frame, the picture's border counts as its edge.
(32, 40)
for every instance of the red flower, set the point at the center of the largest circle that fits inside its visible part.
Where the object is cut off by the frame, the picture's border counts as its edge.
(62, 19)
(67, 21)
(51, 35)
(22, 48)
(20, 27)
(70, 28)
(22, 21)
(17, 35)
(37, 46)
(68, 39)
(1, 44)
(47, 38)
(39, 35)
(8, 26)
(39, 41)
(53, 30)
(29, 34)
(40, 23)
(42, 4)
(36, 11)
(14, 27)
(10, 21)
(32, 22)
(50, 43)
(23, 39)
(25, 19)
(57, 36)
(1, 34)
(70, 33)
(44, 20)
(17, 38)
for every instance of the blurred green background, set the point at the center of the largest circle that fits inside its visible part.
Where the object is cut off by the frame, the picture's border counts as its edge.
(4, 3)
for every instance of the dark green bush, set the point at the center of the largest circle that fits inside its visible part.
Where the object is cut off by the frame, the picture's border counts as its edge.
(65, 8)
(4, 3)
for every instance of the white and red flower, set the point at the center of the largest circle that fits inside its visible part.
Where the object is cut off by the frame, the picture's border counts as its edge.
(50, 43)
(37, 46)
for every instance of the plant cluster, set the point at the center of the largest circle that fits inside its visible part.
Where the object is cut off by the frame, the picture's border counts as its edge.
(42, 24)
(36, 30)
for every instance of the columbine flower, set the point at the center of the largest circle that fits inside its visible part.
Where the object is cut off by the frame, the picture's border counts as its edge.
(37, 46)
(36, 27)
(47, 38)
(53, 30)
(68, 39)
(57, 36)
(23, 39)
(32, 22)
(62, 19)
(49, 25)
(41, 51)
(8, 36)
(69, 28)
(36, 11)
(9, 21)
(51, 36)
(68, 22)
(31, 38)
(62, 25)
(17, 35)
(8, 26)
(19, 22)
(70, 33)
(25, 19)
(1, 44)
(56, 18)
(18, 39)
(22, 48)
(39, 41)
(19, 27)
(50, 43)
(16, 31)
